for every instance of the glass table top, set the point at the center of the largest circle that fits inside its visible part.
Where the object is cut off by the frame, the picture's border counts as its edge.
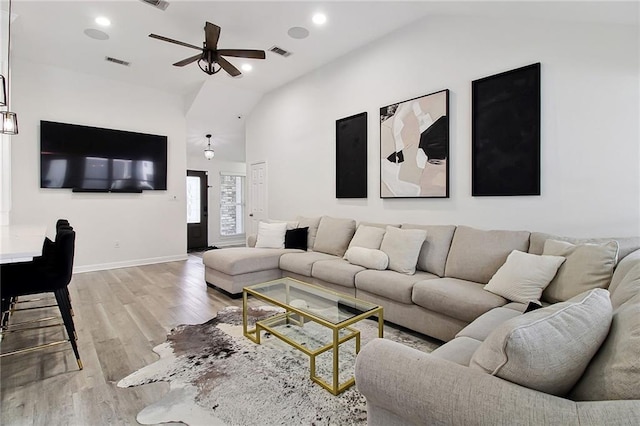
(317, 301)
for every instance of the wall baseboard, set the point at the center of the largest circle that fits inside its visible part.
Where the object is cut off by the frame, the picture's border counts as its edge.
(128, 263)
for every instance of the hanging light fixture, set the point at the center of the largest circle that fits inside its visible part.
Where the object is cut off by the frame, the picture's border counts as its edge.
(8, 119)
(208, 152)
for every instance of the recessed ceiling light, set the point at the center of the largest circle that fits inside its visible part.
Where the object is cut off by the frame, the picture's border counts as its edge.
(246, 67)
(103, 21)
(319, 19)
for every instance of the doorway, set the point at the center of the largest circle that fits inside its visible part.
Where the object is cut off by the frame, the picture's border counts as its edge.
(197, 208)
(258, 185)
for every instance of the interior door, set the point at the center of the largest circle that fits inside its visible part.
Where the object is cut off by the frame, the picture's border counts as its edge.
(197, 207)
(258, 185)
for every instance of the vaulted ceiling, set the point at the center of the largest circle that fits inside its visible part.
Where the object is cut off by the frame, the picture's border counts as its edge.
(53, 32)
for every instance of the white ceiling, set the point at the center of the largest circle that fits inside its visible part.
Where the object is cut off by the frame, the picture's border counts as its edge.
(51, 32)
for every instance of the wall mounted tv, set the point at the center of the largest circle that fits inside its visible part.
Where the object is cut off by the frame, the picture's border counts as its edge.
(91, 159)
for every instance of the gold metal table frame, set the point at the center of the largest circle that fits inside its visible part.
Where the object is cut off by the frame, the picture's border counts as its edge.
(342, 332)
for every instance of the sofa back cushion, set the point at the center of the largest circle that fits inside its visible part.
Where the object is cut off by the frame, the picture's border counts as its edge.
(622, 269)
(334, 235)
(614, 372)
(433, 255)
(626, 245)
(548, 349)
(476, 255)
(587, 266)
(312, 223)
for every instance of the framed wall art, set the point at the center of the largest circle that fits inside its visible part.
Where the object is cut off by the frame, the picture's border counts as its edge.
(505, 133)
(351, 156)
(414, 147)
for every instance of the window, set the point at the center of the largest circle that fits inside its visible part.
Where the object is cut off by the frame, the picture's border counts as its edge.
(231, 204)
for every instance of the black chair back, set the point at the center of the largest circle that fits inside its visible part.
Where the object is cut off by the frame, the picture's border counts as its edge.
(64, 252)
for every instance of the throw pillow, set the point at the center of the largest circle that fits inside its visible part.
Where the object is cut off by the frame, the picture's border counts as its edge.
(587, 266)
(296, 238)
(548, 349)
(367, 237)
(532, 306)
(334, 235)
(271, 235)
(523, 276)
(369, 258)
(403, 248)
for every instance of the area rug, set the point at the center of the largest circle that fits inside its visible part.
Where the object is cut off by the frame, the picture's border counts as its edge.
(219, 377)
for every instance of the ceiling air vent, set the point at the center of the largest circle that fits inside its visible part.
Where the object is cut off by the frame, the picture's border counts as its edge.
(158, 4)
(280, 51)
(117, 61)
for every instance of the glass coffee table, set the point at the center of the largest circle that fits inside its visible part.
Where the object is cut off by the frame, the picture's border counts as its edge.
(302, 303)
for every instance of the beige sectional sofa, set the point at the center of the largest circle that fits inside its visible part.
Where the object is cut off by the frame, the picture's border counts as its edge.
(442, 297)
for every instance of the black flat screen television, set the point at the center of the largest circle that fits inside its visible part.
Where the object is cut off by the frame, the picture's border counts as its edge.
(92, 159)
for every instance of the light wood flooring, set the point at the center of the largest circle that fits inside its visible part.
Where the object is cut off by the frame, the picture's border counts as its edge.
(120, 315)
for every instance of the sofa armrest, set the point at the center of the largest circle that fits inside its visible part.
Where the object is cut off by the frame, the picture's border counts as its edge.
(423, 389)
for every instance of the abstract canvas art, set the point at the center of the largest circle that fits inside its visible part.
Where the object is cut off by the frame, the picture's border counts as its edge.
(414, 147)
(351, 156)
(505, 133)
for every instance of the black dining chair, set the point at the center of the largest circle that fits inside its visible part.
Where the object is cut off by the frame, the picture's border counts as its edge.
(50, 273)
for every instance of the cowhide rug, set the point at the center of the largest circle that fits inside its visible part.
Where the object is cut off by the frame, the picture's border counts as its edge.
(219, 377)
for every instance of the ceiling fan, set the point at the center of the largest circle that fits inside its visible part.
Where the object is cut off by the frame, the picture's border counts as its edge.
(210, 55)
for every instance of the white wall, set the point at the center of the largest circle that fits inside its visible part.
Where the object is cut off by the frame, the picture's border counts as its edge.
(214, 168)
(150, 227)
(590, 140)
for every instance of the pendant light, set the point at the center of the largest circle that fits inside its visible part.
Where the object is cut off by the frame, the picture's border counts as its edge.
(208, 152)
(8, 119)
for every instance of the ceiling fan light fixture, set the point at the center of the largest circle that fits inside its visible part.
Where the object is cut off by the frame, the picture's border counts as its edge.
(208, 152)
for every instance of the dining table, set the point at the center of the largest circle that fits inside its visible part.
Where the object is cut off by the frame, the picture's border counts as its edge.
(21, 243)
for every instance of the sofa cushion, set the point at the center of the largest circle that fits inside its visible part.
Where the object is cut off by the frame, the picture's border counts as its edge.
(296, 238)
(628, 287)
(242, 260)
(614, 372)
(459, 350)
(291, 224)
(476, 255)
(403, 247)
(548, 349)
(587, 266)
(460, 299)
(380, 225)
(271, 235)
(482, 326)
(301, 263)
(368, 237)
(433, 255)
(390, 284)
(523, 276)
(626, 245)
(622, 268)
(312, 223)
(336, 271)
(369, 258)
(334, 235)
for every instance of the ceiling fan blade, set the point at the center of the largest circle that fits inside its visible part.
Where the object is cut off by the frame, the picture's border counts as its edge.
(212, 34)
(243, 53)
(187, 61)
(159, 37)
(226, 65)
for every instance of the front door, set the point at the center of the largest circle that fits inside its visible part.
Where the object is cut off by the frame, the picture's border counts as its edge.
(197, 206)
(258, 195)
